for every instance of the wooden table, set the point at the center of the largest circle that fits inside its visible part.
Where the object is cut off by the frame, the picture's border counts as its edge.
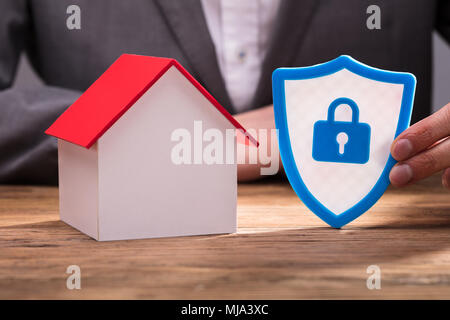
(281, 251)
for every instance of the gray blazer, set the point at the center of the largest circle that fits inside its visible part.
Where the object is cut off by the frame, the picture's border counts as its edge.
(68, 61)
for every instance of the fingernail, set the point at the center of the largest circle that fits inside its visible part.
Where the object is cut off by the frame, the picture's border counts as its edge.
(402, 149)
(401, 174)
(445, 182)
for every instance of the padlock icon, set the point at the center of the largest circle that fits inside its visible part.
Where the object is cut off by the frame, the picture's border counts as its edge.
(341, 141)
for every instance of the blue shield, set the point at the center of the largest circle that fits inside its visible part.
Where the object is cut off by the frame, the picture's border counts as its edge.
(336, 122)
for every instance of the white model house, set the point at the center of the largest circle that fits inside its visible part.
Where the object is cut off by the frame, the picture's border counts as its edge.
(116, 177)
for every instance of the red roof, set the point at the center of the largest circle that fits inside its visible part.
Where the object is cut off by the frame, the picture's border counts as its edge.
(111, 95)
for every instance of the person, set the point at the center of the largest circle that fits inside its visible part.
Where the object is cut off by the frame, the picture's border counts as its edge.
(230, 46)
(422, 150)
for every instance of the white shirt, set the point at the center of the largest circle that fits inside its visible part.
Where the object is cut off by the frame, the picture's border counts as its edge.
(240, 30)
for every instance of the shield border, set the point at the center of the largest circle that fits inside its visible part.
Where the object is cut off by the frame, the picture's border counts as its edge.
(320, 70)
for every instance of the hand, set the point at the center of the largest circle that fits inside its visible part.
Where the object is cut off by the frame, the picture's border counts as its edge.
(257, 119)
(423, 149)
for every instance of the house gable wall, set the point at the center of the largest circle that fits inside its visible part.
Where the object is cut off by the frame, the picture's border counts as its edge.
(142, 193)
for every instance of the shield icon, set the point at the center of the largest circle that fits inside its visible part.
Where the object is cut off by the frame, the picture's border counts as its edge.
(336, 122)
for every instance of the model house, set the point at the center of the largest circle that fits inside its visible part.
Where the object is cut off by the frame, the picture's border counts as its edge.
(116, 176)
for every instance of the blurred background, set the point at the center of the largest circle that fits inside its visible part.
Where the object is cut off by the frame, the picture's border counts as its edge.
(26, 77)
(441, 72)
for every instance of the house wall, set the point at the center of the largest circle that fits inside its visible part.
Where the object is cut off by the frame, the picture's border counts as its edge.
(78, 186)
(141, 192)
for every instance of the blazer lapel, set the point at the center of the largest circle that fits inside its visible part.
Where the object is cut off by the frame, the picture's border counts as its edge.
(289, 30)
(188, 23)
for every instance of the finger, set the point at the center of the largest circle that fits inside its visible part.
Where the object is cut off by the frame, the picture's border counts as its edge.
(422, 135)
(421, 165)
(446, 178)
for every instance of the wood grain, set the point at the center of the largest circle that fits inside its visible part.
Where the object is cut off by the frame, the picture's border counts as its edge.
(282, 251)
